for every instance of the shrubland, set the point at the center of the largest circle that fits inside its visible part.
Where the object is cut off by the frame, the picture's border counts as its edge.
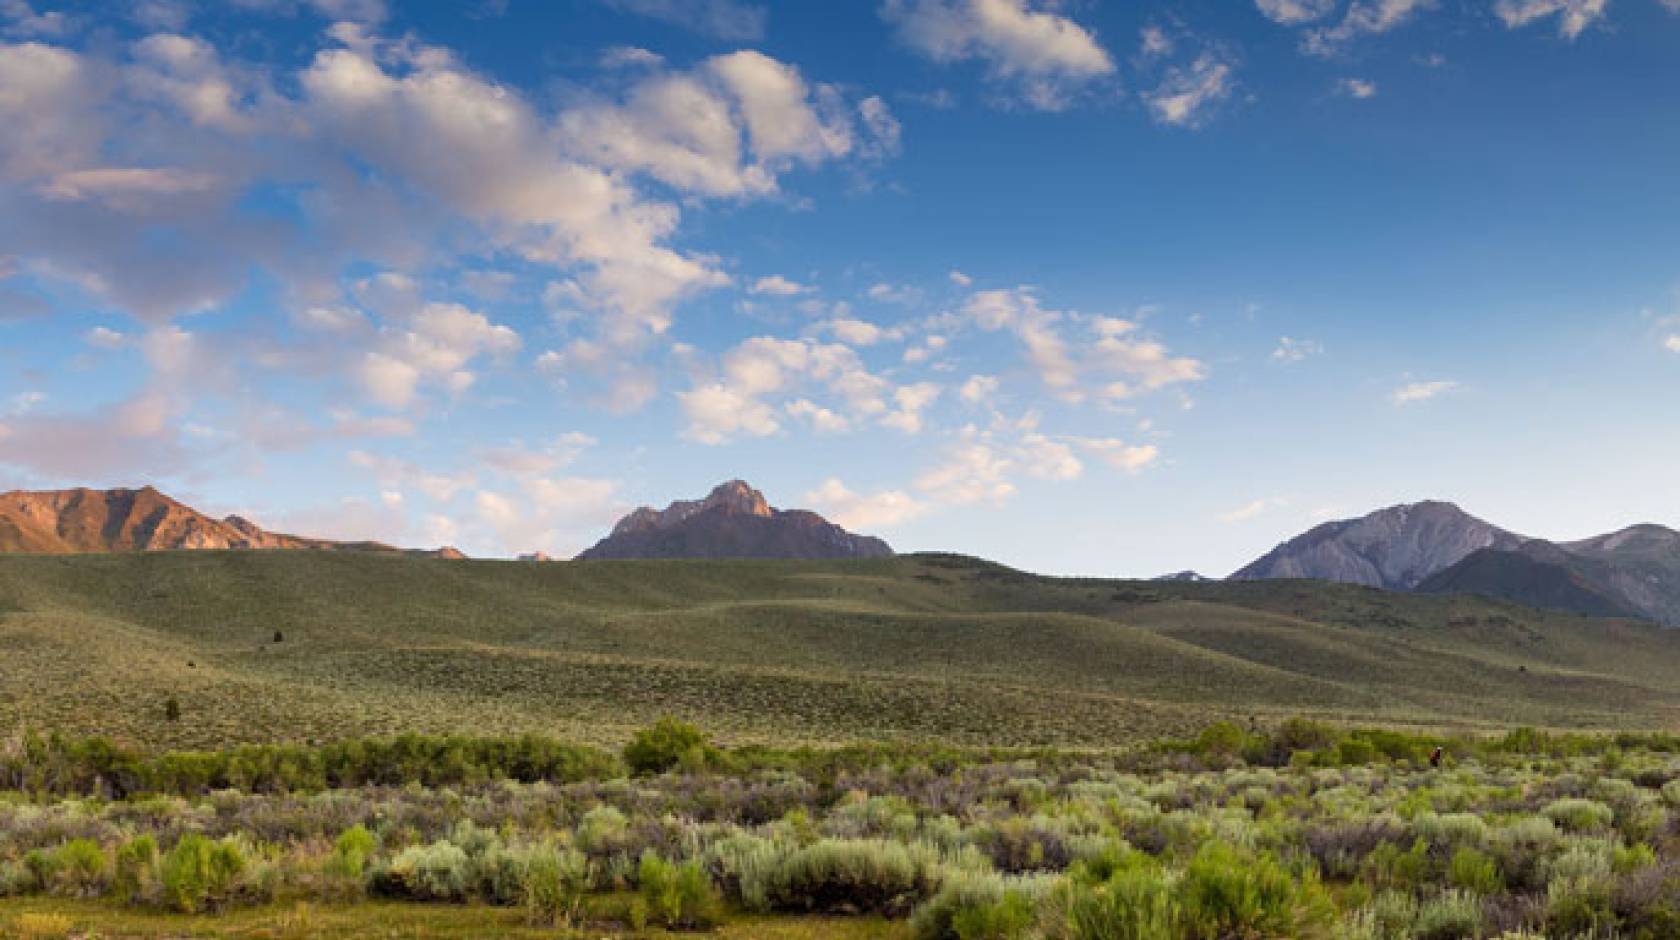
(1297, 830)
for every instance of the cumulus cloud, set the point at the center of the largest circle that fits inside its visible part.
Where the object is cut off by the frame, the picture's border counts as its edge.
(883, 509)
(1129, 458)
(1363, 18)
(1672, 343)
(1290, 349)
(1573, 16)
(1414, 392)
(777, 286)
(765, 377)
(1358, 88)
(1188, 92)
(730, 20)
(1112, 360)
(729, 127)
(1044, 57)
(1296, 12)
(434, 343)
(978, 388)
(972, 471)
(128, 440)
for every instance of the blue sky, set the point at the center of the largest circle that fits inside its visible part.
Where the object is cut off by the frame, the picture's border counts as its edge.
(1079, 286)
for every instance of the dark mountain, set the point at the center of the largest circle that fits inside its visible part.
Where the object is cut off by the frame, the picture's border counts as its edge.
(1190, 577)
(1634, 572)
(1394, 548)
(734, 521)
(60, 522)
(1537, 574)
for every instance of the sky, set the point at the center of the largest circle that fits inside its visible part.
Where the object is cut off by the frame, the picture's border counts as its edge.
(1083, 287)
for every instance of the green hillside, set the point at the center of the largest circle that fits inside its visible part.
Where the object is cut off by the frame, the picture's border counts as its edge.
(915, 646)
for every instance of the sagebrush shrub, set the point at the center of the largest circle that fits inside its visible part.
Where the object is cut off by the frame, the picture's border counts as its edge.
(436, 872)
(856, 875)
(678, 896)
(555, 882)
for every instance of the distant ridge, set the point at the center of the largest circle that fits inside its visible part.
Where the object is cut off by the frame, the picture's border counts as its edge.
(1437, 548)
(1394, 548)
(733, 521)
(78, 521)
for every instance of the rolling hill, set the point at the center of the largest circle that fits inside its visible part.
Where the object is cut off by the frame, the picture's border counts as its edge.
(313, 645)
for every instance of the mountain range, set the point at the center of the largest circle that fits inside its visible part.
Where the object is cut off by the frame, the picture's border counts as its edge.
(1438, 548)
(81, 521)
(733, 521)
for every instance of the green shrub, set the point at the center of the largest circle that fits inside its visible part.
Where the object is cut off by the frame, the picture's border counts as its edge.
(1578, 815)
(1390, 915)
(1135, 903)
(1475, 872)
(137, 875)
(972, 905)
(436, 872)
(197, 872)
(678, 896)
(860, 875)
(1224, 894)
(555, 883)
(664, 746)
(351, 851)
(1454, 915)
(79, 866)
(743, 866)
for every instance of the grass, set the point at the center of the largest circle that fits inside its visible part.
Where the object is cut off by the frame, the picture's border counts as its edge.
(58, 918)
(915, 647)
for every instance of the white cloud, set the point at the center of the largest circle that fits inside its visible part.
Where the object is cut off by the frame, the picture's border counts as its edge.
(727, 128)
(1049, 459)
(1186, 93)
(620, 57)
(910, 402)
(972, 471)
(1295, 12)
(777, 286)
(1248, 511)
(1414, 392)
(1130, 458)
(1120, 364)
(1672, 343)
(1044, 56)
(1358, 88)
(962, 280)
(125, 188)
(822, 420)
(23, 20)
(860, 511)
(104, 338)
(1363, 18)
(978, 388)
(730, 20)
(1574, 16)
(855, 332)
(1290, 349)
(393, 473)
(436, 342)
(734, 402)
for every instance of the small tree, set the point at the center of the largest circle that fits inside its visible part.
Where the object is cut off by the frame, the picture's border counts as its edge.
(172, 709)
(279, 637)
(665, 745)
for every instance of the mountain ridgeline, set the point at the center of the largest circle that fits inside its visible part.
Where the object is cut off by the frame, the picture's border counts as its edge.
(1437, 548)
(733, 521)
(84, 521)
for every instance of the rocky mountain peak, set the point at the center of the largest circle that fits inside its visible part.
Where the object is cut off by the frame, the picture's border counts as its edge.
(734, 520)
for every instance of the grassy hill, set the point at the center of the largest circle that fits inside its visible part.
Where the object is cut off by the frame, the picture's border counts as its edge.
(914, 646)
